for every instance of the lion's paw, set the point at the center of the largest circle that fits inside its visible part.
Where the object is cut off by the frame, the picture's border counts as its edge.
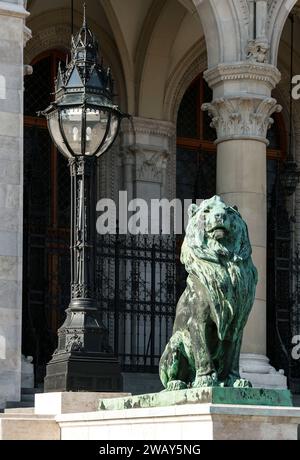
(242, 383)
(205, 381)
(174, 385)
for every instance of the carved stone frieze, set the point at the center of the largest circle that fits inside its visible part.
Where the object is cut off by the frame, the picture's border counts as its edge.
(150, 164)
(148, 126)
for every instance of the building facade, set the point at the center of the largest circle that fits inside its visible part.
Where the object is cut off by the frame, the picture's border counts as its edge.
(208, 83)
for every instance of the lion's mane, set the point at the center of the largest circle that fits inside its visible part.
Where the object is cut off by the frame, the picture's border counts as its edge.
(226, 270)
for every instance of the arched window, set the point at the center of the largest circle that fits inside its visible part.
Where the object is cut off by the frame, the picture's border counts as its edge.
(46, 219)
(196, 150)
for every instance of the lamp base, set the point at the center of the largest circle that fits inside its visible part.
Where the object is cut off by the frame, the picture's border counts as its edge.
(83, 372)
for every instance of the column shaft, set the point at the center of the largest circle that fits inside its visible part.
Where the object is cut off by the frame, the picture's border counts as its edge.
(241, 113)
(241, 181)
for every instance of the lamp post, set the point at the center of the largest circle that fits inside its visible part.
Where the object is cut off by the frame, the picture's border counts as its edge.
(83, 123)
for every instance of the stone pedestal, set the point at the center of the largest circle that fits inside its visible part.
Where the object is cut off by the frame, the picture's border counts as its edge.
(197, 414)
(184, 422)
(83, 372)
(70, 402)
(213, 395)
(22, 427)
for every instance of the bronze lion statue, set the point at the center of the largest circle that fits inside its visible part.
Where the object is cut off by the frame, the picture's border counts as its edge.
(212, 312)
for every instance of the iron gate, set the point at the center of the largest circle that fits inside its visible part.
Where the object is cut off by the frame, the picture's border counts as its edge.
(136, 292)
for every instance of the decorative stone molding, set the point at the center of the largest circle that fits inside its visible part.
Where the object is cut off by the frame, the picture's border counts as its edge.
(278, 11)
(150, 164)
(257, 51)
(28, 70)
(265, 73)
(148, 126)
(27, 35)
(242, 117)
(46, 39)
(13, 10)
(147, 163)
(244, 12)
(147, 152)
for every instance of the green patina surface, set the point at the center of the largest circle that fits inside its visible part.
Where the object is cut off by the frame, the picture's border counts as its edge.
(213, 395)
(204, 349)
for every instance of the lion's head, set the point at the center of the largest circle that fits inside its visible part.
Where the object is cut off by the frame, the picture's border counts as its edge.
(216, 230)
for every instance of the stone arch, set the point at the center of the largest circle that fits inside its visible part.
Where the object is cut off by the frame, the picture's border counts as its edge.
(226, 29)
(156, 59)
(278, 14)
(50, 34)
(143, 43)
(127, 64)
(187, 70)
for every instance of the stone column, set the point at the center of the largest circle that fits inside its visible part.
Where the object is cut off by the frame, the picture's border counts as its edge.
(241, 113)
(12, 36)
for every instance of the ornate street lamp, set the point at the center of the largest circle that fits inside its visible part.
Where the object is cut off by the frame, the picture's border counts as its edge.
(83, 123)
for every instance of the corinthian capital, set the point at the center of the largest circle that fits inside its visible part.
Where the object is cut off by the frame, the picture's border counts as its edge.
(242, 117)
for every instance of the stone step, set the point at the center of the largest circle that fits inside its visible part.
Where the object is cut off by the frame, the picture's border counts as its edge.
(19, 410)
(20, 427)
(24, 416)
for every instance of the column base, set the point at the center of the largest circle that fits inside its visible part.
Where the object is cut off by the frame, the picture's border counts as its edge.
(257, 369)
(83, 372)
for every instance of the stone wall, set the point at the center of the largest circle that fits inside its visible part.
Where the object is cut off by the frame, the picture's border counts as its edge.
(12, 16)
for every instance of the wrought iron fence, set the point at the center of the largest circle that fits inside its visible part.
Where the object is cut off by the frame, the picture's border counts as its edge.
(136, 293)
(136, 281)
(294, 371)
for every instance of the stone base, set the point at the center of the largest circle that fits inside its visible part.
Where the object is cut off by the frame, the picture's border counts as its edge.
(27, 372)
(70, 402)
(261, 374)
(22, 427)
(187, 422)
(83, 372)
(214, 395)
